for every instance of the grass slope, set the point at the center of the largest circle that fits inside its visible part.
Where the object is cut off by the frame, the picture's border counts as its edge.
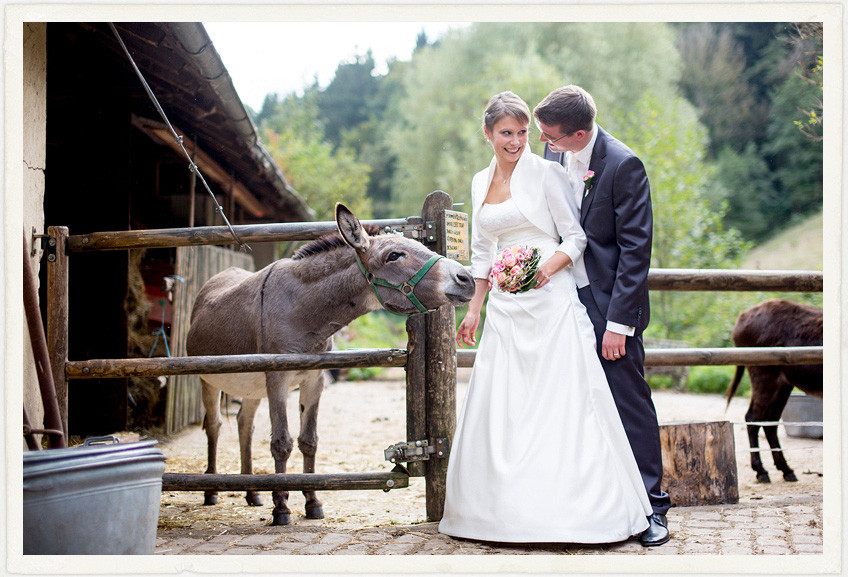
(799, 247)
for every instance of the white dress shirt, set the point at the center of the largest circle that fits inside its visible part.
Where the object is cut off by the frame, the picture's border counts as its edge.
(578, 165)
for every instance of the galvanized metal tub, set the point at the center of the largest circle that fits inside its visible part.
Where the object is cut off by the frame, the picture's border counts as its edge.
(98, 499)
(801, 408)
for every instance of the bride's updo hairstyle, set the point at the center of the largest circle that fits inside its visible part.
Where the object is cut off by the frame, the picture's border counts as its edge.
(505, 104)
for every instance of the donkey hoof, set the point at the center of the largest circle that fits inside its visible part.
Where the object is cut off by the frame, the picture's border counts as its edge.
(763, 478)
(253, 499)
(281, 518)
(315, 512)
(210, 499)
(790, 476)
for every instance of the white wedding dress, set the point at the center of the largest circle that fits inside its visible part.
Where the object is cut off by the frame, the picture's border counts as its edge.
(540, 454)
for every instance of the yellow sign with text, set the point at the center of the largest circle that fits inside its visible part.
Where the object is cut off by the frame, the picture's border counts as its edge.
(456, 235)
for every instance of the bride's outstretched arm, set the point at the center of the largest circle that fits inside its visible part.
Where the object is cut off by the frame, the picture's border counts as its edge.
(465, 334)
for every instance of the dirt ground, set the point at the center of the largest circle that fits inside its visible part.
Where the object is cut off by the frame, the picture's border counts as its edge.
(358, 420)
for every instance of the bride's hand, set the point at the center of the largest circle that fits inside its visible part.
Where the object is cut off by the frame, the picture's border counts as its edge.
(467, 329)
(543, 275)
(553, 265)
(542, 278)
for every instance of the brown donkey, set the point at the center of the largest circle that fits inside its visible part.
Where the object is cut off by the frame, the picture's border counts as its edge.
(295, 306)
(776, 323)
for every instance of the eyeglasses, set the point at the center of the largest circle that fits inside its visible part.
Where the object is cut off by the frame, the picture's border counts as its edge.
(552, 140)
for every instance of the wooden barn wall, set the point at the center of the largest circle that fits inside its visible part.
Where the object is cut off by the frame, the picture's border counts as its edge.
(195, 265)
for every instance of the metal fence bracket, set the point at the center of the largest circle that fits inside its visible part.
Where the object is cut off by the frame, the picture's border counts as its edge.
(416, 451)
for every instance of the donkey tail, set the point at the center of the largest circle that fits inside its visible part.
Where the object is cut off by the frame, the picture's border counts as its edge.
(734, 384)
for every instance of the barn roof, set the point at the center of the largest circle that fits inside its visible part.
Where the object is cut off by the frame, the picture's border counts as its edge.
(189, 80)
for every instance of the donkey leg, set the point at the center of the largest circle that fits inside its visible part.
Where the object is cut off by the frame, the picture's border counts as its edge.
(756, 461)
(762, 385)
(307, 441)
(281, 441)
(781, 397)
(212, 423)
(777, 454)
(245, 419)
(754, 442)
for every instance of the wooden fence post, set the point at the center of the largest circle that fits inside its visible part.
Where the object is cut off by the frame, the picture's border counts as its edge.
(57, 315)
(440, 364)
(416, 392)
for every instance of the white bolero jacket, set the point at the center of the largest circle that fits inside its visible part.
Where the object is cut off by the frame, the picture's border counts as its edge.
(543, 193)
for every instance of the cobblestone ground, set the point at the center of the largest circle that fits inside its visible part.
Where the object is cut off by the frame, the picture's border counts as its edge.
(790, 527)
(359, 420)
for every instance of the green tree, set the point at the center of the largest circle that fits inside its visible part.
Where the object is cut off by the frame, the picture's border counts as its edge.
(688, 231)
(797, 160)
(371, 143)
(322, 174)
(716, 82)
(753, 83)
(746, 187)
(437, 135)
(344, 104)
(807, 40)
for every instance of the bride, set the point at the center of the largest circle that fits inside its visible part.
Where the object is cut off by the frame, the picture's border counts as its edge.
(539, 454)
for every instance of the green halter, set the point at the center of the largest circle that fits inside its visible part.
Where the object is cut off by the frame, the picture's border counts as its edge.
(406, 288)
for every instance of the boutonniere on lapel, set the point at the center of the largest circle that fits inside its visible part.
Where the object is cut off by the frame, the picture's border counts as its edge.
(588, 181)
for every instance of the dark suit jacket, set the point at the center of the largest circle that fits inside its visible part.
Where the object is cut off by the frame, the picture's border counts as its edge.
(617, 218)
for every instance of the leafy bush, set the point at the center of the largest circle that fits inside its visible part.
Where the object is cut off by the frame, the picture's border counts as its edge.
(709, 379)
(363, 373)
(659, 382)
(705, 380)
(376, 330)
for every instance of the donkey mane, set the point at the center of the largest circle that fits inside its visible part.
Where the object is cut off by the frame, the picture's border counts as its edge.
(328, 242)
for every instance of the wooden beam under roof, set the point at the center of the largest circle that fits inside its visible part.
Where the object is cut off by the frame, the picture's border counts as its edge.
(210, 169)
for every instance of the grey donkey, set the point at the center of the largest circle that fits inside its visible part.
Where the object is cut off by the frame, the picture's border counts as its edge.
(295, 306)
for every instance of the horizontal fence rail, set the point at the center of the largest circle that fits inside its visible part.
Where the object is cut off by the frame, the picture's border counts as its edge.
(284, 481)
(149, 367)
(221, 235)
(671, 279)
(761, 356)
(201, 365)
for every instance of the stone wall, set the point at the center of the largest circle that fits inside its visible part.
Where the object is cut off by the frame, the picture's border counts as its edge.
(34, 120)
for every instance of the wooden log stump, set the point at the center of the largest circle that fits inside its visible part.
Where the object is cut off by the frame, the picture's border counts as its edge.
(699, 463)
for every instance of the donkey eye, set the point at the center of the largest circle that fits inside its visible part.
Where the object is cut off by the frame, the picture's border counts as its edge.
(393, 256)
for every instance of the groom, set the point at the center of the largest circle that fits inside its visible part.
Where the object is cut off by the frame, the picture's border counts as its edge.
(615, 201)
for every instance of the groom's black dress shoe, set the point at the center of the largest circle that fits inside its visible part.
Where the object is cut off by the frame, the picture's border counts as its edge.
(657, 531)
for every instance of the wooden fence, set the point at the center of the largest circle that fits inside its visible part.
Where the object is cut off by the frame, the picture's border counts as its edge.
(431, 381)
(430, 359)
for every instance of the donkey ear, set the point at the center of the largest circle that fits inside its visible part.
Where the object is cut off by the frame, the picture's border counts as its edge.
(351, 229)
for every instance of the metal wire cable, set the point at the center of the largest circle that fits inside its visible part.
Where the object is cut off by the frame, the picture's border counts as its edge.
(192, 167)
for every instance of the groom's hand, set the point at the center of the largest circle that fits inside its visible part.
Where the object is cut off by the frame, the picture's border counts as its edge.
(612, 347)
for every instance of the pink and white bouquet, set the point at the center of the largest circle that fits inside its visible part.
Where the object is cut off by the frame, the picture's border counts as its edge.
(514, 270)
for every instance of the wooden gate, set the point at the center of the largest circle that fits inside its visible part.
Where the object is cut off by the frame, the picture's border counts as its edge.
(430, 359)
